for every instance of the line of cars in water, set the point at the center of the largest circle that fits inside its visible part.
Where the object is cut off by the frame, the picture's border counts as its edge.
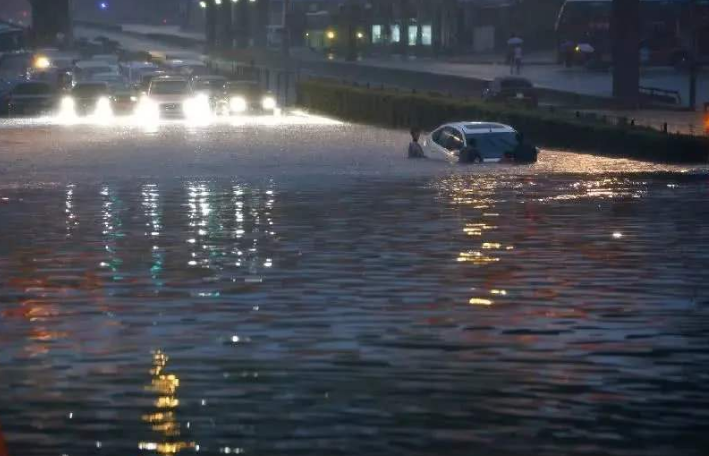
(178, 86)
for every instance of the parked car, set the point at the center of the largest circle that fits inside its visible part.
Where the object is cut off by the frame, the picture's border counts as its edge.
(479, 142)
(31, 98)
(511, 89)
(240, 97)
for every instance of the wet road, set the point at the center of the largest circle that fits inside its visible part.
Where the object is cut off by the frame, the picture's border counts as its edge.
(294, 286)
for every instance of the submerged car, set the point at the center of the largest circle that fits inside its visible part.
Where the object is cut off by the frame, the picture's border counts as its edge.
(480, 142)
(512, 89)
(240, 97)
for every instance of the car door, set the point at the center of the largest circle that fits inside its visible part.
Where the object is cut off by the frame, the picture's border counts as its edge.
(454, 141)
(430, 142)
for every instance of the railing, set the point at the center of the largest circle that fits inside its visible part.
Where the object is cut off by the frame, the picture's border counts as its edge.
(662, 95)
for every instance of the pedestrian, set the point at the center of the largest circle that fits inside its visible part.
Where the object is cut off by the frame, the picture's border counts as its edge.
(415, 149)
(517, 64)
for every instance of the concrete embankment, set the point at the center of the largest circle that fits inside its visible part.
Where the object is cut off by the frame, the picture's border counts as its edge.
(397, 109)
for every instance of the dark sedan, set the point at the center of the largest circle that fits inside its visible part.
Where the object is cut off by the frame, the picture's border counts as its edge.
(87, 96)
(31, 98)
(513, 90)
(240, 97)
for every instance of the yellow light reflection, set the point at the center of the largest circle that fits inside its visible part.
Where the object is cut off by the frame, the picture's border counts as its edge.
(481, 302)
(476, 258)
(164, 422)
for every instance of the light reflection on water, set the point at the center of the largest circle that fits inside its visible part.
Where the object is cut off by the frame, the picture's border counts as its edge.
(486, 314)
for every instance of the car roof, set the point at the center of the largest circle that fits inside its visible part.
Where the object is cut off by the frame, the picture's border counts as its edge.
(93, 64)
(169, 79)
(91, 83)
(185, 62)
(481, 127)
(208, 77)
(112, 76)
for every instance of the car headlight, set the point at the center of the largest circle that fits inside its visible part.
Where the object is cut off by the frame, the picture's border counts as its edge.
(147, 109)
(67, 107)
(238, 104)
(68, 104)
(197, 107)
(268, 103)
(103, 108)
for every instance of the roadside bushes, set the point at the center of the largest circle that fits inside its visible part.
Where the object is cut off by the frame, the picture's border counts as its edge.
(391, 108)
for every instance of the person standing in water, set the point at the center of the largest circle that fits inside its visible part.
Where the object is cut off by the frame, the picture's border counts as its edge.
(415, 149)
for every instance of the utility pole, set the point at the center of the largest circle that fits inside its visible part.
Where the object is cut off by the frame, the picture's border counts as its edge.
(285, 34)
(693, 61)
(351, 19)
(211, 24)
(625, 30)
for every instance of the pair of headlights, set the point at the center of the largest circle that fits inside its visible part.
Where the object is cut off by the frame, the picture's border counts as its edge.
(240, 105)
(102, 108)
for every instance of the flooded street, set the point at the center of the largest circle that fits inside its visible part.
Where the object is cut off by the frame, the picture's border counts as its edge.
(295, 286)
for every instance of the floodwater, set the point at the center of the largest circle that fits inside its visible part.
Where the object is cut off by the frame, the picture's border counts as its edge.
(298, 287)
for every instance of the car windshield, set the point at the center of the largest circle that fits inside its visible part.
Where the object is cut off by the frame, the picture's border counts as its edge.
(209, 84)
(33, 89)
(169, 87)
(109, 78)
(515, 84)
(249, 89)
(493, 145)
(89, 90)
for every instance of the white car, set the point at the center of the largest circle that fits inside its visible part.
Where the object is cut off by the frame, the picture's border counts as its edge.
(479, 142)
(172, 96)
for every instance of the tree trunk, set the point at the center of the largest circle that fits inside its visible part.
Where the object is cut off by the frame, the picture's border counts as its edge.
(625, 30)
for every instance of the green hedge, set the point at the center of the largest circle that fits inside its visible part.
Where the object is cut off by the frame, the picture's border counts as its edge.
(396, 109)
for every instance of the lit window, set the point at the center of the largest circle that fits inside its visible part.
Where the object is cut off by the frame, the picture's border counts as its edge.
(426, 35)
(395, 34)
(376, 34)
(413, 35)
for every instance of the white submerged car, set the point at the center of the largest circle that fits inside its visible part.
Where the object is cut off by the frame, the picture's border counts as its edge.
(479, 142)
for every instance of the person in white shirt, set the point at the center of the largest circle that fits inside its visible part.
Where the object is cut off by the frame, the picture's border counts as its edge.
(415, 149)
(516, 67)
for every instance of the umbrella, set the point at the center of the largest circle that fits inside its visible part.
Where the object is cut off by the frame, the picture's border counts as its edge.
(515, 41)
